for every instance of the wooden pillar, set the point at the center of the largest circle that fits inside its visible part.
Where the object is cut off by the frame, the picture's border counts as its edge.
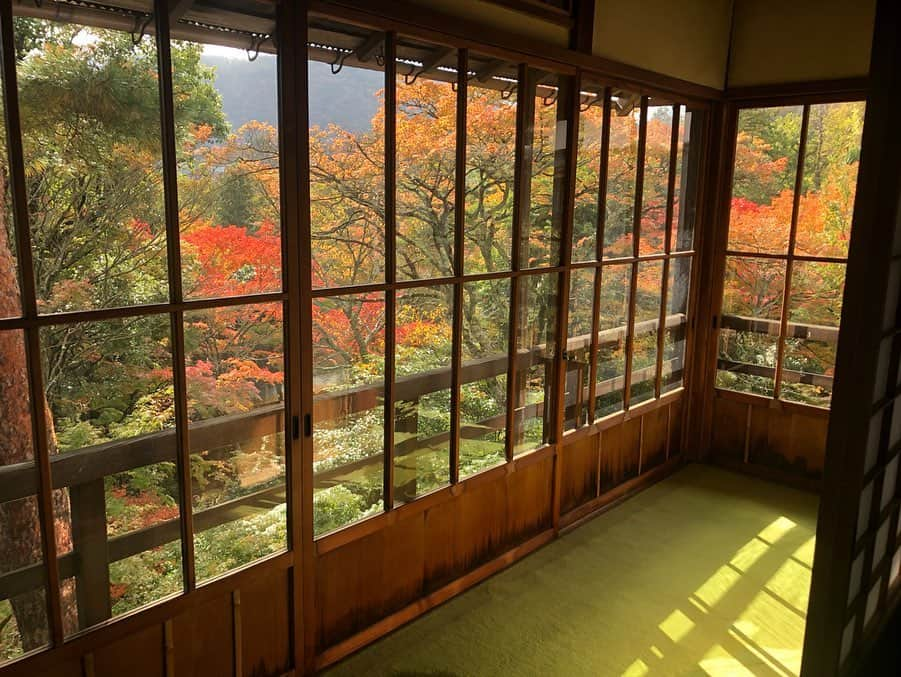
(851, 594)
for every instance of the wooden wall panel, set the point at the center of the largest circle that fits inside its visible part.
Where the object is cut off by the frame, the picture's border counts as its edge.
(580, 469)
(70, 668)
(777, 440)
(653, 438)
(340, 577)
(403, 552)
(730, 423)
(529, 501)
(204, 639)
(792, 442)
(265, 625)
(676, 427)
(374, 576)
(137, 655)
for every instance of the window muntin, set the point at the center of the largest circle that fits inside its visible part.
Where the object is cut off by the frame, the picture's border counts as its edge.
(622, 171)
(831, 155)
(423, 349)
(536, 306)
(483, 374)
(522, 305)
(127, 447)
(228, 171)
(676, 324)
(491, 102)
(643, 280)
(763, 181)
(540, 236)
(613, 303)
(89, 105)
(588, 174)
(655, 186)
(426, 161)
(347, 157)
(234, 368)
(348, 408)
(786, 254)
(648, 290)
(685, 186)
(104, 402)
(578, 347)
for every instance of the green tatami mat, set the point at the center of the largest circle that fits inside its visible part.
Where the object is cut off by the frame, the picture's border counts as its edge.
(707, 572)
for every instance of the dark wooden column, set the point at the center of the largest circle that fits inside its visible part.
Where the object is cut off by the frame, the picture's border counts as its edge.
(856, 532)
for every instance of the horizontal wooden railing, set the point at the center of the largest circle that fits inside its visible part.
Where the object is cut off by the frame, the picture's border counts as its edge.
(88, 467)
(796, 330)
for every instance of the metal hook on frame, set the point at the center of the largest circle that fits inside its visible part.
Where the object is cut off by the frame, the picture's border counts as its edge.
(415, 73)
(139, 29)
(591, 102)
(508, 92)
(256, 42)
(551, 99)
(336, 65)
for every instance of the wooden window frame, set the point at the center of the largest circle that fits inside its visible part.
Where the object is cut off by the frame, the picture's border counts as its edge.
(789, 257)
(297, 296)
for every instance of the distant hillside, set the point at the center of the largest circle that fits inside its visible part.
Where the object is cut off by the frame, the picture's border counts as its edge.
(249, 92)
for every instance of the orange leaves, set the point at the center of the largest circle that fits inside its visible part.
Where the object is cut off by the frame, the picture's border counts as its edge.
(233, 260)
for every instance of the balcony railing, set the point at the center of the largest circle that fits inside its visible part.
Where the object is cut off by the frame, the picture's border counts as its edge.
(83, 471)
(812, 332)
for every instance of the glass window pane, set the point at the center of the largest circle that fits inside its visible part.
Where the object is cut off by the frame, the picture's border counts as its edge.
(688, 161)
(89, 104)
(578, 347)
(23, 605)
(234, 364)
(535, 343)
(483, 398)
(831, 157)
(648, 291)
(543, 226)
(348, 409)
(226, 119)
(763, 183)
(588, 167)
(613, 330)
(622, 171)
(814, 315)
(426, 160)
(490, 152)
(655, 187)
(109, 390)
(347, 154)
(749, 325)
(422, 406)
(678, 288)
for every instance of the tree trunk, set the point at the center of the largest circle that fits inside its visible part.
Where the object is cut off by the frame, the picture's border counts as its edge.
(20, 532)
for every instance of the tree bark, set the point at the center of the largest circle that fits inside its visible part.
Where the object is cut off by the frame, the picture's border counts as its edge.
(20, 531)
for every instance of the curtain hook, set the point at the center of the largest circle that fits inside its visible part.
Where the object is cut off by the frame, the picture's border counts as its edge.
(339, 62)
(254, 50)
(414, 73)
(139, 29)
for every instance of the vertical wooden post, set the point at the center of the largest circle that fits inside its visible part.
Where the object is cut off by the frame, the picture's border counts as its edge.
(176, 293)
(292, 29)
(390, 257)
(636, 236)
(88, 503)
